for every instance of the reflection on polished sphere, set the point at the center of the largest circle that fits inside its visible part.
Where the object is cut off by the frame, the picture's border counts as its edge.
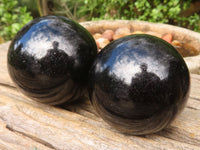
(49, 59)
(139, 84)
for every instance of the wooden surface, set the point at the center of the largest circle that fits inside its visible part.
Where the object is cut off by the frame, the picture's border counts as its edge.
(28, 125)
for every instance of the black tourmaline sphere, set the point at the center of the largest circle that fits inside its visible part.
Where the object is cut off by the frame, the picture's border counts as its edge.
(49, 59)
(139, 84)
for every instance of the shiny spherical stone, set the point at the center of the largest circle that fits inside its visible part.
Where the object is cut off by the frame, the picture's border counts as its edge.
(49, 59)
(139, 84)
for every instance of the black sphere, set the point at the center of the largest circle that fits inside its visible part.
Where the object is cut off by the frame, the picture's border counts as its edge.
(49, 59)
(139, 84)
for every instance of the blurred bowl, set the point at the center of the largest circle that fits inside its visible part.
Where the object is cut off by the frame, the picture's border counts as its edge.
(181, 34)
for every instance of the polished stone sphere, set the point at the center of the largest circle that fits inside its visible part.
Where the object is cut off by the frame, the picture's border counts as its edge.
(49, 59)
(138, 84)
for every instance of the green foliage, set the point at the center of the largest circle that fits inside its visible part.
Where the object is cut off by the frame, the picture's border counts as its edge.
(162, 11)
(13, 18)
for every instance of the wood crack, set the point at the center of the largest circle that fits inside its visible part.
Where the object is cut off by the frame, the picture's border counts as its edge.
(32, 137)
(190, 107)
(7, 85)
(194, 98)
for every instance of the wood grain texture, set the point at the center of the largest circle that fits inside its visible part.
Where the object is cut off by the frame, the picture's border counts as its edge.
(26, 124)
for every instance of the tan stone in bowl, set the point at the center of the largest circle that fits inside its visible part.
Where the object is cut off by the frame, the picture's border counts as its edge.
(181, 34)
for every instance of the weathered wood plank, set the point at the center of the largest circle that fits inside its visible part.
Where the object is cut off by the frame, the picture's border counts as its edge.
(54, 126)
(13, 140)
(3, 65)
(26, 124)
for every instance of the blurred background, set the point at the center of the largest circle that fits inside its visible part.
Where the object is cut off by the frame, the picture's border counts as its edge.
(16, 13)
